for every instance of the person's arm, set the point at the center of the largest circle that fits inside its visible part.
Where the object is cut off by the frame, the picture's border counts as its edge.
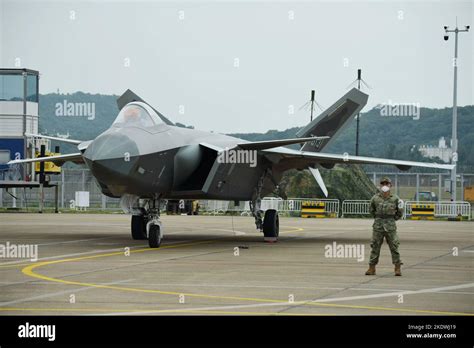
(400, 209)
(372, 207)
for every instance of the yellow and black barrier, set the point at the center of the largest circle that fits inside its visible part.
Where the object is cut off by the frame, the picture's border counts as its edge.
(423, 211)
(49, 167)
(311, 209)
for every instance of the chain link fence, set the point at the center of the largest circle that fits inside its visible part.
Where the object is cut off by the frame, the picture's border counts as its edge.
(69, 182)
(408, 186)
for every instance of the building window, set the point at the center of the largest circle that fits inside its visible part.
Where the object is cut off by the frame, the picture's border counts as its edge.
(32, 88)
(11, 87)
(4, 156)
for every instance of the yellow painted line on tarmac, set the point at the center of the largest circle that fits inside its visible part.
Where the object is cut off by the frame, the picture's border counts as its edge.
(29, 271)
(409, 310)
(115, 253)
(15, 265)
(295, 229)
(21, 309)
(151, 311)
(104, 255)
(207, 311)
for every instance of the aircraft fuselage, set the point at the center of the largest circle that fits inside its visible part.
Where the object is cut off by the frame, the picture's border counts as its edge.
(170, 161)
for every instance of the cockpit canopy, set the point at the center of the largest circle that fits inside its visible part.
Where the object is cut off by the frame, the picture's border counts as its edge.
(137, 114)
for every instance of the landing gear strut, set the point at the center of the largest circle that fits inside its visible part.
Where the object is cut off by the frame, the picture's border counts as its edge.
(270, 225)
(147, 224)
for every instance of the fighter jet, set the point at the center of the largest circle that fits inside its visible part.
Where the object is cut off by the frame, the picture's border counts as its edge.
(145, 159)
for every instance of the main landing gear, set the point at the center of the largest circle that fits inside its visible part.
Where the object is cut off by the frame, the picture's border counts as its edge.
(146, 223)
(270, 224)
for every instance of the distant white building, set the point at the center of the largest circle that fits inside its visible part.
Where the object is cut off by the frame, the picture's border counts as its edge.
(441, 151)
(65, 136)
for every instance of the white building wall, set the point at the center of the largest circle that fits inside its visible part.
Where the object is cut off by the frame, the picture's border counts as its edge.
(11, 118)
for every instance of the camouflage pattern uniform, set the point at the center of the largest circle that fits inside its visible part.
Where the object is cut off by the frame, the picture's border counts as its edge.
(385, 210)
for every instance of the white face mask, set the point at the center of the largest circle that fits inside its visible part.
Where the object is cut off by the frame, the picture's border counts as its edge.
(385, 188)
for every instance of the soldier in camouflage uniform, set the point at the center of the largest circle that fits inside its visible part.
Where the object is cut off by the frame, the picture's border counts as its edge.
(386, 208)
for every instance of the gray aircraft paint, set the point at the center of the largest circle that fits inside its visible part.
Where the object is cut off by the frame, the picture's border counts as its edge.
(172, 162)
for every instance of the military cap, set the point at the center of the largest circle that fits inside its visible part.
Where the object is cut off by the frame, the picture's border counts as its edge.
(385, 179)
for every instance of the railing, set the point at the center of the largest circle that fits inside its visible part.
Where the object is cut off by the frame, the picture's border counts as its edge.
(214, 207)
(331, 206)
(444, 208)
(355, 207)
(287, 206)
(78, 181)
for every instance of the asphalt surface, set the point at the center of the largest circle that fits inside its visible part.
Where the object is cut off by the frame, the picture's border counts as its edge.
(89, 265)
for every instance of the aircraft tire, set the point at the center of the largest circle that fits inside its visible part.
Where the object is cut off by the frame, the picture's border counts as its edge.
(271, 224)
(138, 227)
(154, 236)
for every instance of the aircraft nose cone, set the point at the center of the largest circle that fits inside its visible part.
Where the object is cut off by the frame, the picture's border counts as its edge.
(111, 155)
(111, 146)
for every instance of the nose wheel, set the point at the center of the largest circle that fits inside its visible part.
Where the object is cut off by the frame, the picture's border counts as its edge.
(154, 234)
(147, 224)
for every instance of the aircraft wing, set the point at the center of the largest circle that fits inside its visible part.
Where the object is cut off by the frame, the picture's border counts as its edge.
(64, 140)
(268, 144)
(57, 160)
(299, 159)
(81, 145)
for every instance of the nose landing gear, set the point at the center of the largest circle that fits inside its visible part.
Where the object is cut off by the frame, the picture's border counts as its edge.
(147, 224)
(155, 235)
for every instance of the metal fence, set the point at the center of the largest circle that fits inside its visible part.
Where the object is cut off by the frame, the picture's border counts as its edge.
(331, 206)
(443, 209)
(291, 205)
(69, 182)
(408, 185)
(405, 184)
(355, 207)
(214, 207)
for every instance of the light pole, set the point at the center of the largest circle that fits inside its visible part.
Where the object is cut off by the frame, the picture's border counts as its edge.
(454, 145)
(359, 77)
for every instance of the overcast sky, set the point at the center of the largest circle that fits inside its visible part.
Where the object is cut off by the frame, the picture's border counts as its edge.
(242, 66)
